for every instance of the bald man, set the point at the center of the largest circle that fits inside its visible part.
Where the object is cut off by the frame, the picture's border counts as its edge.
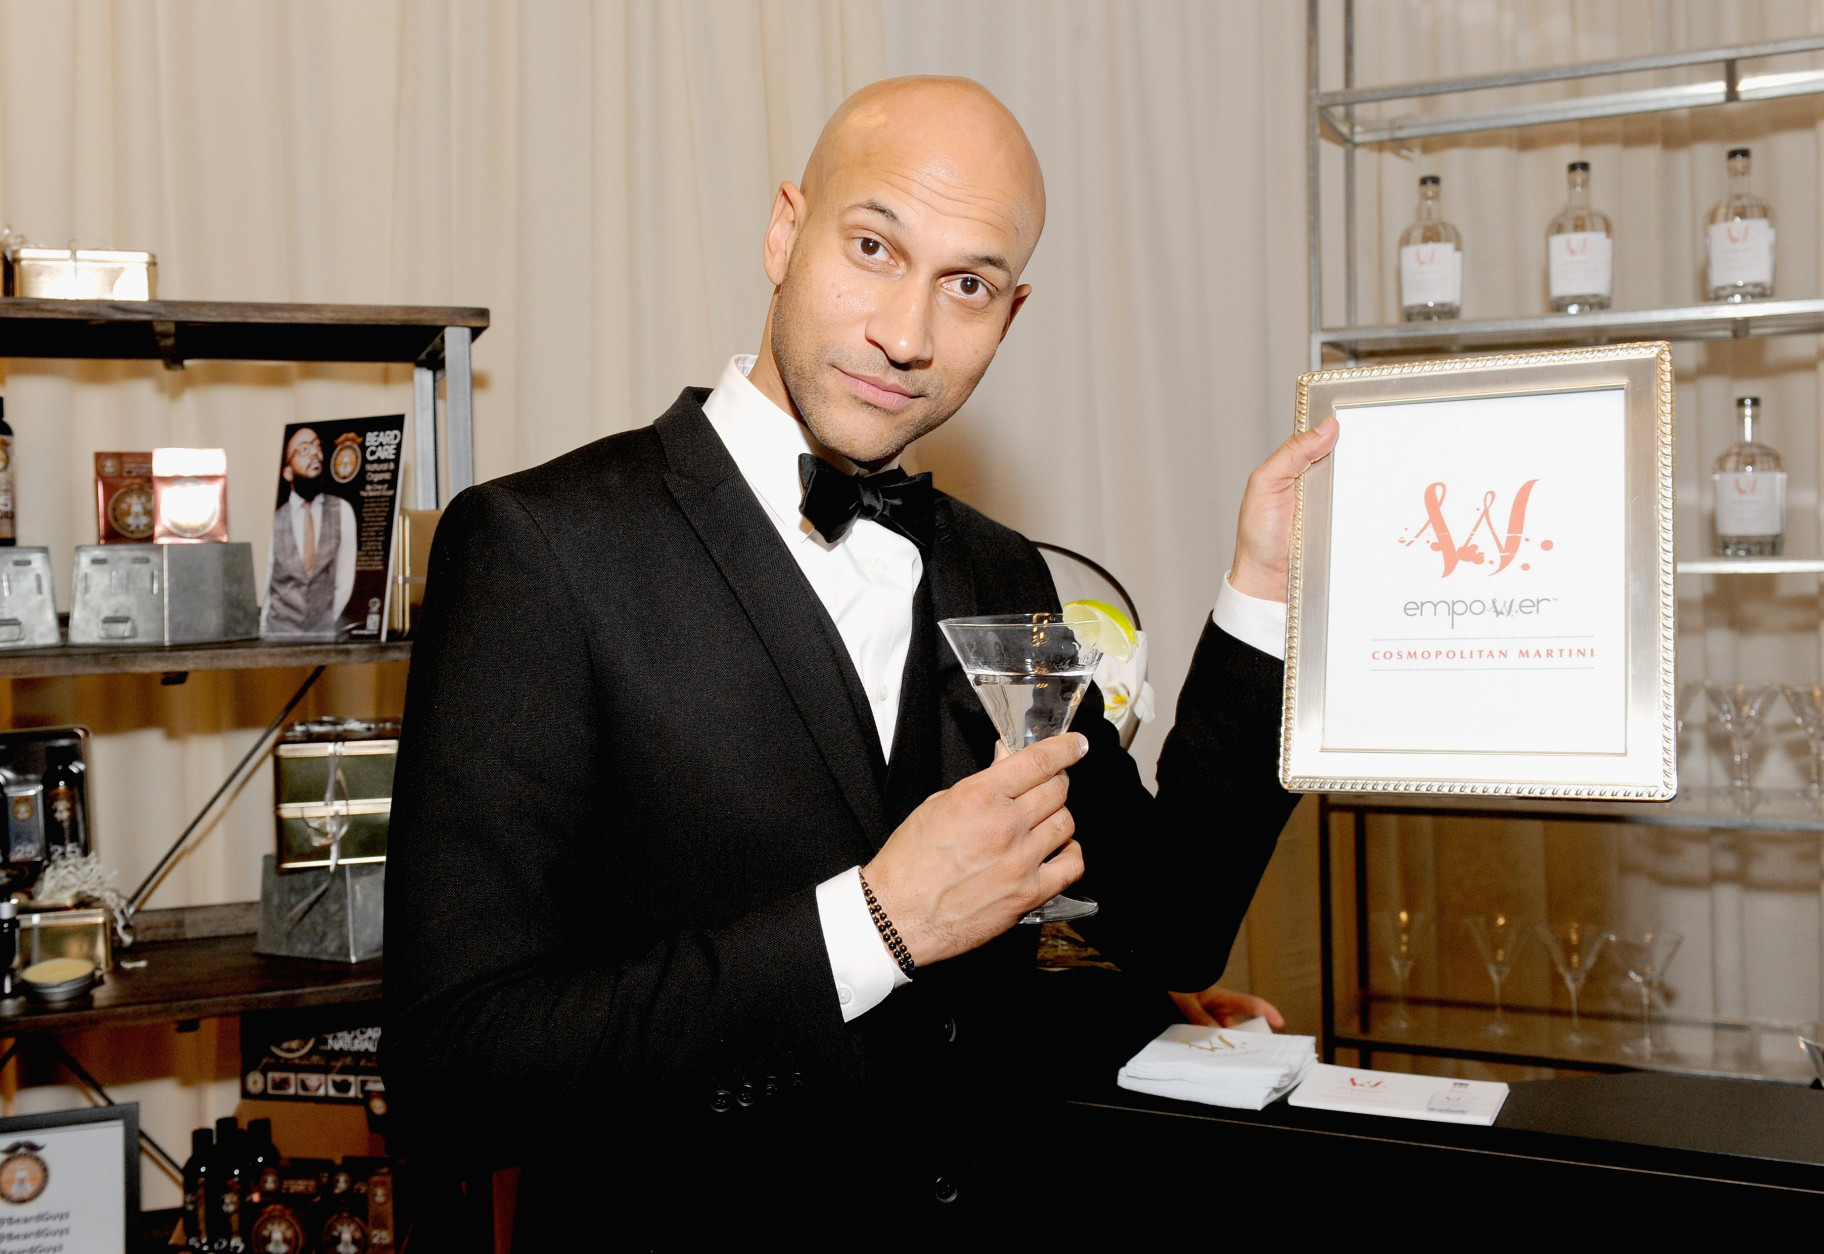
(706, 874)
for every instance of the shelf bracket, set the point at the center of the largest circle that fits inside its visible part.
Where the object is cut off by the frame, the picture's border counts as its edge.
(166, 335)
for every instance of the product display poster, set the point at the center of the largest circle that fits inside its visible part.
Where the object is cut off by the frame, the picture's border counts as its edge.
(332, 529)
(69, 1181)
(1478, 576)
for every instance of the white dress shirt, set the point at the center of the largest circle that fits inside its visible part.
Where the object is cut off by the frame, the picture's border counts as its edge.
(866, 581)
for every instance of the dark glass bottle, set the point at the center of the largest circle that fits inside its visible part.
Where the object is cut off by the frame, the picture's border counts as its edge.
(8, 534)
(66, 820)
(224, 1192)
(262, 1162)
(199, 1175)
(9, 945)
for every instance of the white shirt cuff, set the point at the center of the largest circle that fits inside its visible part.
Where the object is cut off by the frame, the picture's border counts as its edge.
(1251, 620)
(865, 972)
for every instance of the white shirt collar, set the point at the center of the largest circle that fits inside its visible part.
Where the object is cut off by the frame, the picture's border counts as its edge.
(766, 442)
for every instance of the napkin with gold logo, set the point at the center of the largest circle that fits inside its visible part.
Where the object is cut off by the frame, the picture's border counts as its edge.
(1219, 1066)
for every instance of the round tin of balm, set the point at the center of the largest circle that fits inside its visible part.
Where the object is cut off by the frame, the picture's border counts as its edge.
(59, 979)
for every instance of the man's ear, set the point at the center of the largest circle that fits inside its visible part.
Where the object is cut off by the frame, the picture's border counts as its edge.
(285, 473)
(789, 211)
(1020, 294)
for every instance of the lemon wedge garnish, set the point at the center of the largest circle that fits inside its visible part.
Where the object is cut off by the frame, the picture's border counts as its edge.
(1112, 630)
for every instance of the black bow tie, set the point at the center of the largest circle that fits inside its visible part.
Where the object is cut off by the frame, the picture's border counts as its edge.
(894, 499)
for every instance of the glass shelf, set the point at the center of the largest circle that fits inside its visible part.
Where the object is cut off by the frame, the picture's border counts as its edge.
(234, 655)
(1693, 1046)
(1776, 810)
(1752, 566)
(1749, 320)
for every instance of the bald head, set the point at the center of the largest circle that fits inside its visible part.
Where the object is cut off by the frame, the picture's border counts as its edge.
(948, 135)
(896, 263)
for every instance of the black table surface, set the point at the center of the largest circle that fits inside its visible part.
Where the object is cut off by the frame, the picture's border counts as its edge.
(1685, 1137)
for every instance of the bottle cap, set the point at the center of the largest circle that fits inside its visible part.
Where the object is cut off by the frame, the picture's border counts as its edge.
(1738, 152)
(1428, 180)
(1747, 402)
(9, 909)
(259, 1131)
(1579, 167)
(202, 1141)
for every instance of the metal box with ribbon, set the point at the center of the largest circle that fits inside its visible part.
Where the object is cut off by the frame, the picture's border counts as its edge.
(333, 781)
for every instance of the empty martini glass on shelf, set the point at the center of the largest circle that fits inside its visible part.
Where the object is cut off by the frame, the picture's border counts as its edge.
(1574, 947)
(1807, 706)
(1645, 955)
(1399, 936)
(1499, 939)
(1740, 708)
(1030, 672)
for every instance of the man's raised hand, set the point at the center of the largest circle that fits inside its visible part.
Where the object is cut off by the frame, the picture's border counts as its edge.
(972, 859)
(1263, 536)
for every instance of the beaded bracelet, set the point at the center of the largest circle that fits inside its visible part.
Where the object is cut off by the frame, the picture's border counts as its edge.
(889, 935)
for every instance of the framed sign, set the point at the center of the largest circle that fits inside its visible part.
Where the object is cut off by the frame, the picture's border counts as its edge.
(69, 1179)
(1481, 592)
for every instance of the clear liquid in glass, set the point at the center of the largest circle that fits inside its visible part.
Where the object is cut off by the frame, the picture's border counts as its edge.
(1027, 708)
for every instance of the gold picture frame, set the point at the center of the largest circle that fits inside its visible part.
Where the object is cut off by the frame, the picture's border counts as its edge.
(1515, 638)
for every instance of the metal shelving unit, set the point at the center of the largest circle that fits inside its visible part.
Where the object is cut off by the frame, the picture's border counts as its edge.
(191, 973)
(1354, 118)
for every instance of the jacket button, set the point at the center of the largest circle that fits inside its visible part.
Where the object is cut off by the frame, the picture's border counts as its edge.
(946, 1189)
(721, 1101)
(950, 1030)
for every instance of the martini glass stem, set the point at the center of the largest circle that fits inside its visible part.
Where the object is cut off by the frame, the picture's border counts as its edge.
(1576, 1023)
(1497, 975)
(1646, 1018)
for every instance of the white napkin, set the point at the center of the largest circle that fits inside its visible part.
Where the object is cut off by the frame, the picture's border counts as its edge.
(1219, 1066)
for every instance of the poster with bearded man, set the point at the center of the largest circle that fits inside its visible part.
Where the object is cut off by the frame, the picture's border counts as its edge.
(327, 573)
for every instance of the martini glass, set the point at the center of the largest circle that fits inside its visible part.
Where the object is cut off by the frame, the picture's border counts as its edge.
(1740, 709)
(1399, 936)
(1645, 957)
(1807, 706)
(1574, 948)
(1499, 939)
(1030, 671)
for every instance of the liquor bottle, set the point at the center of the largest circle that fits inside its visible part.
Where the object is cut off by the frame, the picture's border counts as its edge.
(197, 1173)
(1740, 239)
(222, 1195)
(1431, 262)
(66, 826)
(1750, 492)
(1580, 250)
(9, 944)
(8, 533)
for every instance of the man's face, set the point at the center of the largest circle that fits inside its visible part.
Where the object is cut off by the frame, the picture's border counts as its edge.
(899, 279)
(304, 456)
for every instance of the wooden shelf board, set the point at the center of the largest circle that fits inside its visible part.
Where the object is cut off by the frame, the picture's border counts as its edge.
(198, 979)
(226, 330)
(92, 659)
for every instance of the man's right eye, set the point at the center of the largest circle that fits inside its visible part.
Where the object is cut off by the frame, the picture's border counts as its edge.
(870, 247)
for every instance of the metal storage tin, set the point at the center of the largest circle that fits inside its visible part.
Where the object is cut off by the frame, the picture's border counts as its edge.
(140, 594)
(334, 778)
(28, 609)
(86, 932)
(81, 274)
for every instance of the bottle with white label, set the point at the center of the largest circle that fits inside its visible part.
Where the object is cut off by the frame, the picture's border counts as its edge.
(1739, 239)
(1750, 485)
(1580, 251)
(1431, 262)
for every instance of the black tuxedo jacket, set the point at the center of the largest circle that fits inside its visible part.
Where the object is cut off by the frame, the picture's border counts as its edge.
(634, 744)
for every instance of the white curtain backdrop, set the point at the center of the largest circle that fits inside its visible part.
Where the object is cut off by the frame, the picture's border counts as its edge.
(599, 174)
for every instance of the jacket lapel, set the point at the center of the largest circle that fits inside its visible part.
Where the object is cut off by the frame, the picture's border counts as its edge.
(965, 736)
(780, 603)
